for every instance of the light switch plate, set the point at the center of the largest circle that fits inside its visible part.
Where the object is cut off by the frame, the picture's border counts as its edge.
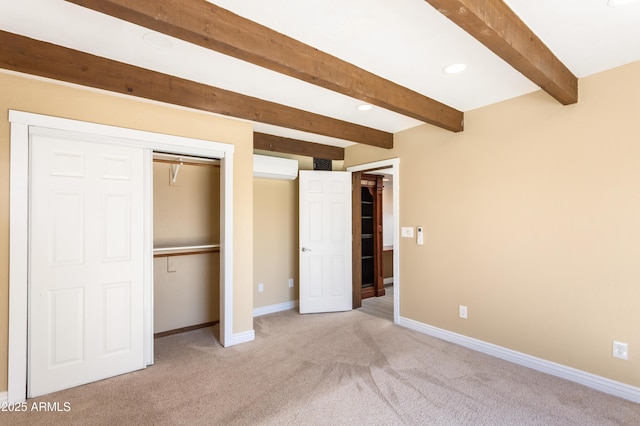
(406, 232)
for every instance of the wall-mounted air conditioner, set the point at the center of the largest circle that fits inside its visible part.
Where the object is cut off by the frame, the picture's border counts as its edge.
(274, 167)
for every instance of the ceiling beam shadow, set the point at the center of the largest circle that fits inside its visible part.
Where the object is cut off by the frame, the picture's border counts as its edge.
(210, 26)
(26, 55)
(496, 26)
(274, 143)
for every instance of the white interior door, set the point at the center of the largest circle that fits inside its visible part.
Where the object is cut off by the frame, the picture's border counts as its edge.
(325, 241)
(86, 247)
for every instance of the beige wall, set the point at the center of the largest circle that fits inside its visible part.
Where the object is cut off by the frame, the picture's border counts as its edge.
(532, 220)
(275, 248)
(387, 212)
(275, 230)
(37, 96)
(186, 213)
(187, 296)
(387, 264)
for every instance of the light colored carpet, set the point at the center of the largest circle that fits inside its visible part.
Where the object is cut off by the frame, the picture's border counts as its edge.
(329, 369)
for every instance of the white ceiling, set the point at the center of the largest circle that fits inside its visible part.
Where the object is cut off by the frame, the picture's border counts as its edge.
(405, 41)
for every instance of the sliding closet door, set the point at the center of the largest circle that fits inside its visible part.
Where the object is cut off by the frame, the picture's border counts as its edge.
(86, 262)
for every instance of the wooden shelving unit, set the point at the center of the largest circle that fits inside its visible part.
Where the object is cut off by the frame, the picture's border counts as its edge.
(371, 236)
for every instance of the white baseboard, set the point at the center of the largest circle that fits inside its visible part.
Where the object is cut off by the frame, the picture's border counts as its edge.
(272, 309)
(4, 397)
(593, 381)
(388, 281)
(244, 337)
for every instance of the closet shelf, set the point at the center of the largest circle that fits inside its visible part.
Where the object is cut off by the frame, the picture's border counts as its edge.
(185, 250)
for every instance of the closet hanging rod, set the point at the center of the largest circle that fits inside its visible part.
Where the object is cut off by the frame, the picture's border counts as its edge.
(161, 157)
(185, 250)
(186, 163)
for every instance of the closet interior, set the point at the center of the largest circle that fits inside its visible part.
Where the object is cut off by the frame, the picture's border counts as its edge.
(186, 236)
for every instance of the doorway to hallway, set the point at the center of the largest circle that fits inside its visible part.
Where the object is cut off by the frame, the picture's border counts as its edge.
(391, 168)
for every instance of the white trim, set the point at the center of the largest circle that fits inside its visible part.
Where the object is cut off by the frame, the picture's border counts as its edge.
(3, 398)
(148, 260)
(226, 245)
(226, 251)
(244, 337)
(593, 381)
(141, 138)
(18, 263)
(22, 125)
(387, 281)
(394, 163)
(272, 309)
(390, 163)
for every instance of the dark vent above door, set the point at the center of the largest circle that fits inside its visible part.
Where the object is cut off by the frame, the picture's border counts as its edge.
(322, 164)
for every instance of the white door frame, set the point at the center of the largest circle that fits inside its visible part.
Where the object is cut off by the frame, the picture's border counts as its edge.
(394, 165)
(22, 124)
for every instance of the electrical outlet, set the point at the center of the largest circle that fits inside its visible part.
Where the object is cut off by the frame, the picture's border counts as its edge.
(620, 350)
(290, 282)
(462, 311)
(260, 287)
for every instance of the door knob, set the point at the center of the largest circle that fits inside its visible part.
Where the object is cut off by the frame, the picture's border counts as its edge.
(304, 249)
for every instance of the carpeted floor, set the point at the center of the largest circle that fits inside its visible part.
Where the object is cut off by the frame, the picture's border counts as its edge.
(346, 368)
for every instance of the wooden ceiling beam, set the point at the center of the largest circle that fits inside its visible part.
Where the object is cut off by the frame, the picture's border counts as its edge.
(210, 26)
(496, 26)
(23, 54)
(274, 143)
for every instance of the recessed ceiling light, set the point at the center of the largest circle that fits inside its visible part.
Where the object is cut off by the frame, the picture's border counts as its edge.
(157, 40)
(454, 68)
(614, 3)
(364, 107)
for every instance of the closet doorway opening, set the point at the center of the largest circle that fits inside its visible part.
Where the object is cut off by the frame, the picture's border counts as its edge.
(186, 243)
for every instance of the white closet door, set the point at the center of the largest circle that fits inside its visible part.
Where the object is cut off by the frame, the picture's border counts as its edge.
(86, 262)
